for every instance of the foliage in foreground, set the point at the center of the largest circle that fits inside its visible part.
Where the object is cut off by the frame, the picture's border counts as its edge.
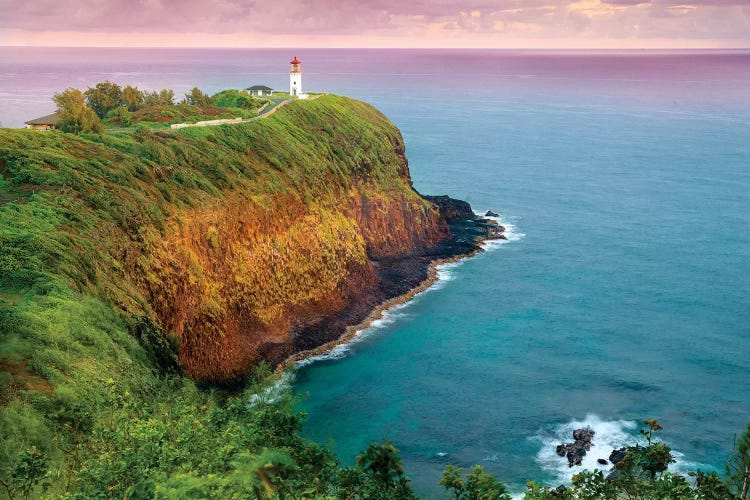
(183, 442)
(477, 485)
(641, 475)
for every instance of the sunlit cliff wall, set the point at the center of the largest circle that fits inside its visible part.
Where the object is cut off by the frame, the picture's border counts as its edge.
(233, 239)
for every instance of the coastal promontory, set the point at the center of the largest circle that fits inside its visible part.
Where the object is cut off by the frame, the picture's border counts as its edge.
(135, 257)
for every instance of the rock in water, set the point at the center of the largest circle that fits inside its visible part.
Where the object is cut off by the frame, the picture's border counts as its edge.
(602, 461)
(618, 456)
(585, 436)
(490, 213)
(576, 450)
(452, 209)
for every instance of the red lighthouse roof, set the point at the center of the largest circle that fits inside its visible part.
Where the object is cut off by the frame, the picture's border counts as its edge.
(295, 61)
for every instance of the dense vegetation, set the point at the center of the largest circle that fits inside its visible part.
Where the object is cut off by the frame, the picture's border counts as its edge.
(641, 474)
(108, 104)
(109, 241)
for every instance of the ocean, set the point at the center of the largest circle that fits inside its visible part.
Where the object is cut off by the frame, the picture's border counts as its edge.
(622, 294)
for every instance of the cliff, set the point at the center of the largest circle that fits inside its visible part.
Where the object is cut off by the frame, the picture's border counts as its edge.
(130, 259)
(239, 243)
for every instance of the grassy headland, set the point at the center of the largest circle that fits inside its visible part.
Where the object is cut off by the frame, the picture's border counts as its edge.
(131, 259)
(142, 270)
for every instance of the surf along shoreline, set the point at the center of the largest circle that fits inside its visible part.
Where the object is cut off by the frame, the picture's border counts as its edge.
(469, 232)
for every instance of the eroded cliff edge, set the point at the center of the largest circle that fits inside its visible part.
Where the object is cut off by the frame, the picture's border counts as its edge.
(241, 243)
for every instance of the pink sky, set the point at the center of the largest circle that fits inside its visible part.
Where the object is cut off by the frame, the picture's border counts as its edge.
(378, 23)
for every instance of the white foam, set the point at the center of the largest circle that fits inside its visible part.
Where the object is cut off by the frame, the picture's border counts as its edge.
(511, 231)
(609, 435)
(387, 318)
(445, 273)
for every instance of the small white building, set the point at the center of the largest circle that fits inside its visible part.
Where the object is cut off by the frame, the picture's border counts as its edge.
(259, 90)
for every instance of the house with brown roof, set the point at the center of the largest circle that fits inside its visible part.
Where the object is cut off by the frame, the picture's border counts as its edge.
(48, 122)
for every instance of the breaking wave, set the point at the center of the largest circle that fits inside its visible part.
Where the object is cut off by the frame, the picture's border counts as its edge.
(511, 231)
(609, 435)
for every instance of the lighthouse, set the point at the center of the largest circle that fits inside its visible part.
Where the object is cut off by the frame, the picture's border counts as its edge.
(295, 77)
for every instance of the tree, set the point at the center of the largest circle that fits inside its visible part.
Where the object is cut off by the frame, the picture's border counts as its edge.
(75, 116)
(710, 486)
(164, 97)
(104, 97)
(150, 99)
(198, 98)
(655, 458)
(382, 462)
(263, 473)
(594, 485)
(31, 468)
(121, 115)
(653, 426)
(132, 98)
(235, 99)
(479, 485)
(379, 475)
(738, 467)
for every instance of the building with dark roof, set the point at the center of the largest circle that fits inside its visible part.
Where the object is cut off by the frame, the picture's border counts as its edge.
(48, 122)
(259, 90)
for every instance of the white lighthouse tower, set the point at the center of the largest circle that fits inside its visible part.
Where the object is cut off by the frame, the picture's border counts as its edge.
(295, 78)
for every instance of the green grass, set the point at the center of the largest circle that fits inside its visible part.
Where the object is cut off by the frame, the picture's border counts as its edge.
(88, 381)
(230, 104)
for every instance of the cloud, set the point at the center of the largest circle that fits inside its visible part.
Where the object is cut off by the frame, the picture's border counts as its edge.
(715, 19)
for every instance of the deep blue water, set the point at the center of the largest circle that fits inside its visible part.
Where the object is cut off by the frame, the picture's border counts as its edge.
(625, 295)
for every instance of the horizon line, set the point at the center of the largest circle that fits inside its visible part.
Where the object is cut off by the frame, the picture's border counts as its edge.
(553, 49)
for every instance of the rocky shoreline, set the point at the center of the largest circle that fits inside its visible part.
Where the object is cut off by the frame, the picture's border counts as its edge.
(400, 279)
(582, 442)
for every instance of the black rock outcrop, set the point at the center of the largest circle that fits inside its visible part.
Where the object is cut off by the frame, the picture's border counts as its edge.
(576, 450)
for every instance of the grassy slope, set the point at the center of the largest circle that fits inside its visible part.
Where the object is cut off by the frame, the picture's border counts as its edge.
(84, 368)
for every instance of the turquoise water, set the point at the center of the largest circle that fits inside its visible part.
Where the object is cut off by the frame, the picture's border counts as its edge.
(625, 293)
(627, 297)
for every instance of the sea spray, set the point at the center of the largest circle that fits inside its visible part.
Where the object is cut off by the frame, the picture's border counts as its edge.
(511, 232)
(609, 435)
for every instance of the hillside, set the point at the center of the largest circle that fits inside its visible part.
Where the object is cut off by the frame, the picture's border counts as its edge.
(130, 259)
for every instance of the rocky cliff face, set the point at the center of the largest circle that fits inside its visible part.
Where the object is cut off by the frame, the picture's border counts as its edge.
(246, 280)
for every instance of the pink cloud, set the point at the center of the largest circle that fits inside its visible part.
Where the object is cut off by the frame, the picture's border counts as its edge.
(391, 19)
